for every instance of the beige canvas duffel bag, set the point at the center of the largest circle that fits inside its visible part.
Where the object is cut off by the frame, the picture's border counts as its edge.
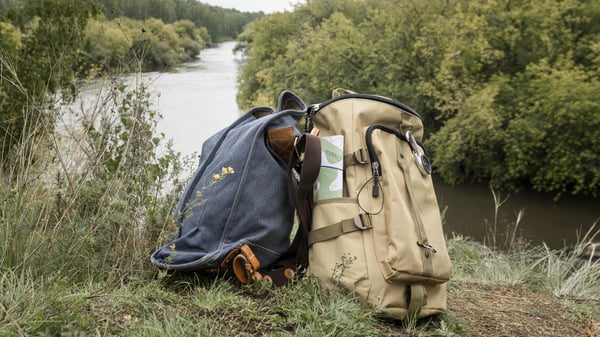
(376, 226)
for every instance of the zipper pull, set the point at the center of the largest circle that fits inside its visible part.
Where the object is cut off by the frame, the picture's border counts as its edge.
(375, 169)
(427, 246)
(310, 112)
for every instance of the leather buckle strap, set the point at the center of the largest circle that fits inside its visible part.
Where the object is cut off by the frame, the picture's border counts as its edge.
(244, 264)
(279, 276)
(245, 267)
(307, 156)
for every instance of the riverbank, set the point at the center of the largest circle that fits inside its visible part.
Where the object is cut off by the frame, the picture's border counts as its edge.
(199, 98)
(524, 291)
(75, 247)
(528, 293)
(74, 261)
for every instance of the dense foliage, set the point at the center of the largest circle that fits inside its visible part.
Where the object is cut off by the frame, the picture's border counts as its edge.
(130, 45)
(507, 89)
(83, 190)
(39, 53)
(221, 23)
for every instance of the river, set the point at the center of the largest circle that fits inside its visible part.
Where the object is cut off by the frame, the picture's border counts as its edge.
(198, 99)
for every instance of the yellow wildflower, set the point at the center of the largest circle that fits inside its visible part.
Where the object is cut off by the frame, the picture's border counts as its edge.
(216, 176)
(227, 170)
(172, 246)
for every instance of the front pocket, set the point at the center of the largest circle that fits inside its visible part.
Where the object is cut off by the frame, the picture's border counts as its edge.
(337, 254)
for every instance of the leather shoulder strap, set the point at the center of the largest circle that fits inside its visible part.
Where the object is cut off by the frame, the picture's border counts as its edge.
(306, 160)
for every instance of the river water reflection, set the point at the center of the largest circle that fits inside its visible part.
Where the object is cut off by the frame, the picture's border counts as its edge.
(198, 99)
(470, 211)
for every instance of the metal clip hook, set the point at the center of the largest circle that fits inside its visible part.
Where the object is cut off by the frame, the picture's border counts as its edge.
(423, 162)
(427, 246)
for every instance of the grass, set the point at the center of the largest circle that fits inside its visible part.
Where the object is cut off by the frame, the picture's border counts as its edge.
(215, 305)
(81, 213)
(177, 306)
(510, 260)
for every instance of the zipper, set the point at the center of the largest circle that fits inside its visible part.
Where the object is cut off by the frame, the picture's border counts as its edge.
(375, 164)
(310, 113)
(377, 173)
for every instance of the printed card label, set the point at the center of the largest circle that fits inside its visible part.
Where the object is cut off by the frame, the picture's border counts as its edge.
(331, 176)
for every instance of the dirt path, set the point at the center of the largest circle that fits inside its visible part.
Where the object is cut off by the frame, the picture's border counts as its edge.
(494, 311)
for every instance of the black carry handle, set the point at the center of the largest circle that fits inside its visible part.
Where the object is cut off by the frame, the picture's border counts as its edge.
(375, 165)
(422, 160)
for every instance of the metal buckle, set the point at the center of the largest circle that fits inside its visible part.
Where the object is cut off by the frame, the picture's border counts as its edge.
(361, 156)
(245, 266)
(361, 219)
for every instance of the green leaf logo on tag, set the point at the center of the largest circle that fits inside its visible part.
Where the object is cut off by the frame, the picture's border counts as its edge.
(331, 176)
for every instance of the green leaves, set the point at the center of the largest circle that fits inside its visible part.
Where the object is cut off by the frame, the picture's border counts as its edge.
(505, 89)
(37, 59)
(126, 44)
(554, 141)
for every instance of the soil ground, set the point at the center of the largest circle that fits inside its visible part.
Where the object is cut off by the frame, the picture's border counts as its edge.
(503, 311)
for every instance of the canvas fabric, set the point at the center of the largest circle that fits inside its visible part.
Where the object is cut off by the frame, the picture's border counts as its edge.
(239, 194)
(389, 249)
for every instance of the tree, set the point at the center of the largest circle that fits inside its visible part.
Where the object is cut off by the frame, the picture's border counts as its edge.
(553, 141)
(336, 43)
(283, 51)
(52, 33)
(492, 80)
(191, 38)
(263, 42)
(107, 44)
(221, 24)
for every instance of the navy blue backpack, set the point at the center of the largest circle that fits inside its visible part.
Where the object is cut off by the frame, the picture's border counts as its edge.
(237, 211)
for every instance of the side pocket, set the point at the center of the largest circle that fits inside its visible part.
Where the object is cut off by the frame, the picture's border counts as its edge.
(281, 142)
(337, 252)
(408, 238)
